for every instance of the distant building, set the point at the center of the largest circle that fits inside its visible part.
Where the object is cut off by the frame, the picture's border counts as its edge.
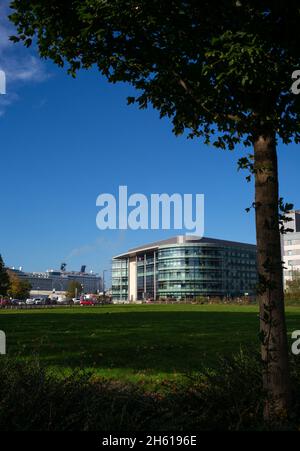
(185, 267)
(58, 281)
(290, 246)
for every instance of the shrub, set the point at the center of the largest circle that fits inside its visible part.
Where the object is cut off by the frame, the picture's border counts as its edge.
(228, 397)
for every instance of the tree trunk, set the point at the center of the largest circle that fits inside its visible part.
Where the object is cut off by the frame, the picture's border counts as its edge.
(274, 345)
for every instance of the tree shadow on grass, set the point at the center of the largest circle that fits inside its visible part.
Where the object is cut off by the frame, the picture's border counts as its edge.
(146, 341)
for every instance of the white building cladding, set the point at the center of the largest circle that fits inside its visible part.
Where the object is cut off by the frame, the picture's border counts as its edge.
(185, 267)
(290, 245)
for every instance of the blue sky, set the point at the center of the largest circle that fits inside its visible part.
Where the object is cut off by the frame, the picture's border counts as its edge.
(65, 141)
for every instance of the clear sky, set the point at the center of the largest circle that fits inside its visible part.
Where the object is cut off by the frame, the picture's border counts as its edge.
(65, 141)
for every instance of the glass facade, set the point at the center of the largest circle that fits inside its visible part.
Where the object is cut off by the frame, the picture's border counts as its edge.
(120, 279)
(203, 270)
(188, 270)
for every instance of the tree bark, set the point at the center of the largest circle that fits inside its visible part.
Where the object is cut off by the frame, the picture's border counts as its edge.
(273, 334)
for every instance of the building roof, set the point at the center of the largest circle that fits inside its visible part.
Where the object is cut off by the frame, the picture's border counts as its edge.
(184, 239)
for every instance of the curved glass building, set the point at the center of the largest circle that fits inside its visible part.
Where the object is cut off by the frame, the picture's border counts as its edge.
(185, 267)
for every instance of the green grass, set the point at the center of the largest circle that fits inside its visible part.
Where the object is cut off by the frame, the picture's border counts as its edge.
(142, 342)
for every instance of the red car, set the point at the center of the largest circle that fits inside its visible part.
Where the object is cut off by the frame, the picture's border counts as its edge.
(86, 302)
(4, 302)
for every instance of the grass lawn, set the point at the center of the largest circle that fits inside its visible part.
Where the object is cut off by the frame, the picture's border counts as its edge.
(141, 342)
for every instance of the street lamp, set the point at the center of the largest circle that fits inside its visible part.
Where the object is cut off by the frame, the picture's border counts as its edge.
(103, 281)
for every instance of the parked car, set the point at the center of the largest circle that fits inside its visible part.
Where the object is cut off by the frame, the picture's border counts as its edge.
(49, 301)
(76, 300)
(61, 300)
(29, 301)
(53, 300)
(4, 302)
(39, 301)
(15, 301)
(86, 302)
(21, 302)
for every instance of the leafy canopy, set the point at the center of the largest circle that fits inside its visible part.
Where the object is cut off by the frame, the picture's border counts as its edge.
(74, 289)
(4, 278)
(18, 288)
(211, 66)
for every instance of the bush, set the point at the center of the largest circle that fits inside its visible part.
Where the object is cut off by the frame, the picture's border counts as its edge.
(229, 397)
(32, 399)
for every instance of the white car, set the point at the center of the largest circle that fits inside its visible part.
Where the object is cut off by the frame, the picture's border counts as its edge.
(30, 301)
(76, 300)
(39, 301)
(62, 300)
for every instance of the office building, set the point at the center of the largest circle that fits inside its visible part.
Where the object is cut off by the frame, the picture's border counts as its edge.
(290, 246)
(184, 267)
